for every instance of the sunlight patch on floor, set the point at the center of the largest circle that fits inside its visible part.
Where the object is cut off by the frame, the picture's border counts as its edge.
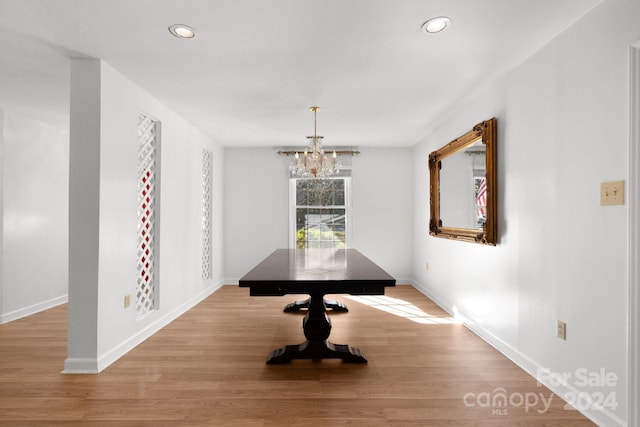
(402, 308)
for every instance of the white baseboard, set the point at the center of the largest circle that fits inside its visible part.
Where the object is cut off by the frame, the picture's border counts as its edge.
(95, 366)
(601, 417)
(33, 309)
(80, 365)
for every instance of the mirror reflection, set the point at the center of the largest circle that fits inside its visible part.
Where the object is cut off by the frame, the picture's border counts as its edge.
(463, 187)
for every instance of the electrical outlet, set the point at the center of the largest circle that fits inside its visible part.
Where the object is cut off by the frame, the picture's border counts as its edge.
(127, 301)
(612, 193)
(561, 330)
(426, 266)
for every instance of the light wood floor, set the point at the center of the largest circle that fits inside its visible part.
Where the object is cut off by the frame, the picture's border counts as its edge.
(207, 368)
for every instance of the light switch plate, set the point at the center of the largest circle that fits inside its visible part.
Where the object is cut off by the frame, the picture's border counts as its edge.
(561, 330)
(612, 193)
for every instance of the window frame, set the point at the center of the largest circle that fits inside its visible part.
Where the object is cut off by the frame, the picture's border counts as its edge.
(293, 207)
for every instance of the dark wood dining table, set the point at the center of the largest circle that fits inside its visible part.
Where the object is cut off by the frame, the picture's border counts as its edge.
(316, 272)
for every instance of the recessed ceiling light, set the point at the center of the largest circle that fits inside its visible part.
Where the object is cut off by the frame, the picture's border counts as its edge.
(182, 31)
(435, 25)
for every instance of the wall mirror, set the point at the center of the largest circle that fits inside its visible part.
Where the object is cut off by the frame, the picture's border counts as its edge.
(463, 187)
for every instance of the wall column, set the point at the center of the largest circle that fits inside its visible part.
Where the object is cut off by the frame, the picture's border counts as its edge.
(1, 209)
(84, 217)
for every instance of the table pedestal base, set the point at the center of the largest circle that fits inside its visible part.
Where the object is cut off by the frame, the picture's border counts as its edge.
(317, 327)
(328, 304)
(316, 350)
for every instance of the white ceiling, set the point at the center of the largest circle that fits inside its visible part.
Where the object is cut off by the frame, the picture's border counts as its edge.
(255, 66)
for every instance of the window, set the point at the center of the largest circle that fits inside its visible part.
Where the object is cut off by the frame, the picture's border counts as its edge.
(319, 212)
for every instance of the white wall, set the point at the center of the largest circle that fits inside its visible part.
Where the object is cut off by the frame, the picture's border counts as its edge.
(181, 284)
(257, 215)
(382, 188)
(563, 127)
(35, 160)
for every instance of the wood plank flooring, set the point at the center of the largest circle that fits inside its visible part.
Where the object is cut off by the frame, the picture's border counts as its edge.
(208, 368)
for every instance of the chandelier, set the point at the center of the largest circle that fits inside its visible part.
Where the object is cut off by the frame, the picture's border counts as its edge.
(314, 163)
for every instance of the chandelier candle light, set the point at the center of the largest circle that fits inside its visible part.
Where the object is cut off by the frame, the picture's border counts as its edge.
(316, 163)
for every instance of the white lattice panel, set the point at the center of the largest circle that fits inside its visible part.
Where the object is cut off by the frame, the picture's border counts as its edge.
(207, 194)
(146, 230)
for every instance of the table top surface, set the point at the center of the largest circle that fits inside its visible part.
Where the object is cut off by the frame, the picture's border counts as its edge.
(316, 266)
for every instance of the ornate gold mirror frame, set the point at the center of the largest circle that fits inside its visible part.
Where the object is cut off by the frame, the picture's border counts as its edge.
(481, 139)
